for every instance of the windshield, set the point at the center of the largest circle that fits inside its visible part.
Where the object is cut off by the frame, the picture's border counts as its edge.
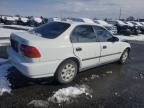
(51, 30)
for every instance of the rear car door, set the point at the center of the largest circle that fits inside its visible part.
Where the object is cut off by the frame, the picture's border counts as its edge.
(85, 46)
(110, 50)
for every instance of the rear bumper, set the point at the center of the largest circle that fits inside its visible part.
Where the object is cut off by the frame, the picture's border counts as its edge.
(33, 70)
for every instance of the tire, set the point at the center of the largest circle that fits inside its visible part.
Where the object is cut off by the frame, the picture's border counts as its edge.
(124, 56)
(66, 72)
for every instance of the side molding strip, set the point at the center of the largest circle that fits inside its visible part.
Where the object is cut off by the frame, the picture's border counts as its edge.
(100, 56)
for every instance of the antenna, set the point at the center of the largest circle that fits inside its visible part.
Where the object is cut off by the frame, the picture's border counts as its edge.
(120, 13)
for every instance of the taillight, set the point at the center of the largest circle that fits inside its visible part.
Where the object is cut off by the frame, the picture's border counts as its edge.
(30, 51)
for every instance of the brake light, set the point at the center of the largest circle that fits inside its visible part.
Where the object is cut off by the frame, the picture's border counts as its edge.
(30, 51)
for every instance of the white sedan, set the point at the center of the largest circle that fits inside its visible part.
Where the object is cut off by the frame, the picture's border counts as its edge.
(62, 49)
(109, 27)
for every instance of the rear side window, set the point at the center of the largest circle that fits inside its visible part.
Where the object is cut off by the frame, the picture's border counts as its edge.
(83, 34)
(51, 30)
(103, 34)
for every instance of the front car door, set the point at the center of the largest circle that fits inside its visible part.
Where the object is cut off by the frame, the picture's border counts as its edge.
(85, 47)
(110, 50)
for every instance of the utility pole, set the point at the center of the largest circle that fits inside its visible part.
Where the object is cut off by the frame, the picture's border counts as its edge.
(120, 13)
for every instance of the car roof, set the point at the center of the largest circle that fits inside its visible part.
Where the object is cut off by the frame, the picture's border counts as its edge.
(79, 23)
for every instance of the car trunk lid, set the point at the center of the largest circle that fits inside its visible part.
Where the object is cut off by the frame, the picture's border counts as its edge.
(26, 43)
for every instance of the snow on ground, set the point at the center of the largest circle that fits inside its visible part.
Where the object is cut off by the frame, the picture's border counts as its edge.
(139, 37)
(109, 72)
(67, 94)
(4, 42)
(2, 60)
(39, 103)
(6, 32)
(18, 26)
(64, 95)
(4, 83)
(94, 76)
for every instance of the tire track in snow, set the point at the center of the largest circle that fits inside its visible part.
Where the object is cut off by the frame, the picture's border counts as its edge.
(4, 83)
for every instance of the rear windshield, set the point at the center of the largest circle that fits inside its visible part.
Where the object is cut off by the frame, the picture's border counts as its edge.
(51, 30)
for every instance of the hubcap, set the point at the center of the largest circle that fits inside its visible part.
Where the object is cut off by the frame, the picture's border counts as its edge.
(68, 72)
(125, 56)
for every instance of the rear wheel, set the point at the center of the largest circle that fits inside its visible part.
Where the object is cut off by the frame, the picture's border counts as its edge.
(66, 72)
(124, 56)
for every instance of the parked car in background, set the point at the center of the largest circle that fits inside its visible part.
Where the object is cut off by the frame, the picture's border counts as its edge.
(142, 23)
(122, 27)
(134, 28)
(23, 21)
(139, 25)
(0, 19)
(8, 20)
(61, 49)
(109, 27)
(86, 20)
(16, 19)
(73, 19)
(35, 21)
(54, 19)
(44, 20)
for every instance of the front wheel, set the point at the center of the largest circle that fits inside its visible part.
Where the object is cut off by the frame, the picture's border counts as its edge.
(66, 72)
(124, 56)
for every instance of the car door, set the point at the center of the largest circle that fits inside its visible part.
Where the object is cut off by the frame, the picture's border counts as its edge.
(85, 47)
(110, 50)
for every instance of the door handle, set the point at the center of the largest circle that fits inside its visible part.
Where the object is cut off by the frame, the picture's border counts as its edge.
(78, 49)
(104, 47)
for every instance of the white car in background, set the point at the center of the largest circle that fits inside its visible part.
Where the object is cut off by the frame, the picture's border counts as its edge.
(54, 19)
(61, 49)
(86, 20)
(9, 20)
(109, 27)
(142, 23)
(139, 25)
(130, 24)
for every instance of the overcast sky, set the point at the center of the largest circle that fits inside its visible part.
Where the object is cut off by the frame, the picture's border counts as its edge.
(73, 8)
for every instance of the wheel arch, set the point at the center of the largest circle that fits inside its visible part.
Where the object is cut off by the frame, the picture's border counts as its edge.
(75, 59)
(129, 49)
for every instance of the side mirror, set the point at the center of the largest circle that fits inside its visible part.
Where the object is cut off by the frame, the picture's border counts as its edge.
(116, 39)
(113, 39)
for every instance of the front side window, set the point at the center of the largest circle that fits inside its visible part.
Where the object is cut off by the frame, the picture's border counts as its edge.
(51, 30)
(103, 34)
(83, 34)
